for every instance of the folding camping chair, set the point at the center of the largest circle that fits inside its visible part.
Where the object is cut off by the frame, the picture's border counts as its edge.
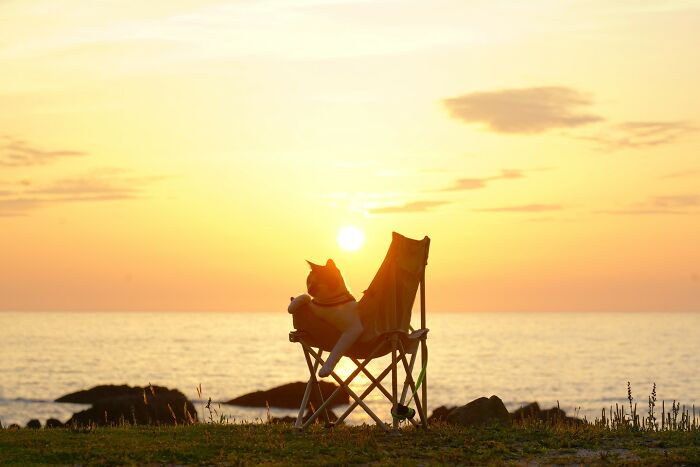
(385, 310)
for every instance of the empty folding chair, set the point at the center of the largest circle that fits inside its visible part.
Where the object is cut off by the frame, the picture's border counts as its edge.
(385, 310)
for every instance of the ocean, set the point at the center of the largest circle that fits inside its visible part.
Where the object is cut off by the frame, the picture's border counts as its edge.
(582, 361)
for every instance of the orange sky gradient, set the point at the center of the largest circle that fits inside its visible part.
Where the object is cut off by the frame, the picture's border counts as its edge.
(190, 155)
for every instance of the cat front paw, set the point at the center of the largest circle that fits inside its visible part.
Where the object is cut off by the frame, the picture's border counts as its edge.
(298, 303)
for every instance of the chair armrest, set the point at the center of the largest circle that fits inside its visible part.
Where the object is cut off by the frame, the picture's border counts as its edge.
(419, 334)
(297, 336)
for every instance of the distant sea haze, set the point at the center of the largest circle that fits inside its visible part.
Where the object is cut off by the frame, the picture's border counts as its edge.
(581, 360)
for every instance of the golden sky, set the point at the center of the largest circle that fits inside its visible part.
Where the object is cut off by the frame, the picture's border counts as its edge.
(190, 155)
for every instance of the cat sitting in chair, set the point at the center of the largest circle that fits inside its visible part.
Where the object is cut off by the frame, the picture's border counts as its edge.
(329, 299)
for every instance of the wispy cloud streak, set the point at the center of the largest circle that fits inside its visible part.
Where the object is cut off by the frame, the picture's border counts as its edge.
(96, 186)
(19, 153)
(523, 208)
(639, 135)
(662, 205)
(475, 183)
(417, 206)
(682, 174)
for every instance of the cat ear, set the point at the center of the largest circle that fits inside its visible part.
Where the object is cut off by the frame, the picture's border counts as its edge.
(312, 265)
(331, 263)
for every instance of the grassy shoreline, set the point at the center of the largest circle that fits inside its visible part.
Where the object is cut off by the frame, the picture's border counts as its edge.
(247, 444)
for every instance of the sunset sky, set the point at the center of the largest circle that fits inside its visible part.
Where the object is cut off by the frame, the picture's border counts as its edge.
(190, 155)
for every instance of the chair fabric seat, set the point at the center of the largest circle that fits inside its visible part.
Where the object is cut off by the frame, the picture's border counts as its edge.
(319, 333)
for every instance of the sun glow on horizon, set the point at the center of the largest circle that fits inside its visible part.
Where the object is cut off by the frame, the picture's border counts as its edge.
(188, 155)
(350, 238)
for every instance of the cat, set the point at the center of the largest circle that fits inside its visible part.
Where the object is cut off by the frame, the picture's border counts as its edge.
(329, 299)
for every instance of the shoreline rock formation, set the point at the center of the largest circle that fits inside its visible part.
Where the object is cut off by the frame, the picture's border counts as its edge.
(289, 396)
(483, 411)
(113, 405)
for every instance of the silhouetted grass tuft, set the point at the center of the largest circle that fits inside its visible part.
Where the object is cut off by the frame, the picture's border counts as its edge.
(680, 418)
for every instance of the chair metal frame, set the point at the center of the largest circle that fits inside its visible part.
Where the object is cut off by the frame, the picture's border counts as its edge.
(402, 344)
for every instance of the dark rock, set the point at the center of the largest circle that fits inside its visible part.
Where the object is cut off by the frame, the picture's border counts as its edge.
(108, 391)
(114, 405)
(320, 419)
(53, 423)
(289, 396)
(532, 412)
(441, 413)
(481, 411)
(34, 424)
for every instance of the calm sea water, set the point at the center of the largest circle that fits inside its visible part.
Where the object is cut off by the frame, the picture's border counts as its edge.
(579, 359)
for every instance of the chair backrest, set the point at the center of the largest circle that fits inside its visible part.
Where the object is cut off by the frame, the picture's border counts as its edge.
(387, 303)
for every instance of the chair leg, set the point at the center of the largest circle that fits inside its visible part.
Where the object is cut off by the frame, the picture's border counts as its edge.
(365, 393)
(307, 394)
(345, 385)
(319, 361)
(317, 385)
(324, 404)
(369, 411)
(405, 383)
(394, 384)
(409, 379)
(424, 401)
(377, 381)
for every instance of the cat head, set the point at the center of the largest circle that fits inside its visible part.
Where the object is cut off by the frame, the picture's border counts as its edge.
(325, 281)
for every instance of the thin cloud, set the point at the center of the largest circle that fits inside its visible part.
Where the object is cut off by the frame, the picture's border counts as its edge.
(78, 188)
(94, 187)
(524, 110)
(641, 212)
(19, 153)
(475, 183)
(543, 219)
(640, 134)
(15, 207)
(675, 201)
(523, 208)
(662, 205)
(682, 174)
(416, 206)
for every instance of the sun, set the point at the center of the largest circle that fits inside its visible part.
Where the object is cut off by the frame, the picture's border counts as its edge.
(350, 238)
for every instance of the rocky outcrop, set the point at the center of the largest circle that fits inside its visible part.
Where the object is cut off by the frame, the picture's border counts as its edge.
(532, 412)
(440, 414)
(108, 391)
(114, 405)
(289, 396)
(484, 411)
(479, 412)
(34, 424)
(53, 423)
